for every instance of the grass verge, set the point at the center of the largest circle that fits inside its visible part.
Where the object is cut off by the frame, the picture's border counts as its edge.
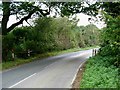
(17, 62)
(99, 73)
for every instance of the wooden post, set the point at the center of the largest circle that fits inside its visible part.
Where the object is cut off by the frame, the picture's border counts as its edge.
(13, 55)
(93, 52)
(28, 53)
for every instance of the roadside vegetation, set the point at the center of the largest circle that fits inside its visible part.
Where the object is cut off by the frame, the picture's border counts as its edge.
(102, 70)
(99, 73)
(20, 61)
(52, 35)
(60, 35)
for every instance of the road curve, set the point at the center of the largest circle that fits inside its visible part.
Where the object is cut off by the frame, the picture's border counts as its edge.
(53, 72)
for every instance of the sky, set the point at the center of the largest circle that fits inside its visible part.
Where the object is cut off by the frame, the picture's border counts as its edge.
(83, 21)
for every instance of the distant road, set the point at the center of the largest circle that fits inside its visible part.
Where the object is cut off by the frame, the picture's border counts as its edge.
(53, 72)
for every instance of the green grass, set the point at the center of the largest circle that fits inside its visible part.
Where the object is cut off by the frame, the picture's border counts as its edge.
(99, 73)
(17, 62)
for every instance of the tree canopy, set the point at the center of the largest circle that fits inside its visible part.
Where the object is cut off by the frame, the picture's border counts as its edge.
(25, 10)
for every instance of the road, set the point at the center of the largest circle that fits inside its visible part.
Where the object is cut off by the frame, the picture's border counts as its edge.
(53, 72)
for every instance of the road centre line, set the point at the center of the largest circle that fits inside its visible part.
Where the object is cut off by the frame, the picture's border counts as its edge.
(22, 80)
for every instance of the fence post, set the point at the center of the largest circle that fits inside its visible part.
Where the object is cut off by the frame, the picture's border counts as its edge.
(93, 52)
(28, 53)
(13, 55)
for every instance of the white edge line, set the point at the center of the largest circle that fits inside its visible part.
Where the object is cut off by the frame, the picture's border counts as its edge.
(22, 80)
(76, 74)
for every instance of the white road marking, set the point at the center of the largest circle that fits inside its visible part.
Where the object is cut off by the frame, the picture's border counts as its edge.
(77, 71)
(22, 80)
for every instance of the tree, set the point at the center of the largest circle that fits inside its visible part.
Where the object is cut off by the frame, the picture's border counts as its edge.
(25, 10)
(20, 8)
(111, 8)
(111, 33)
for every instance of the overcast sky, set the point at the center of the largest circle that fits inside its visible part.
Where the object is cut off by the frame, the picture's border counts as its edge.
(83, 20)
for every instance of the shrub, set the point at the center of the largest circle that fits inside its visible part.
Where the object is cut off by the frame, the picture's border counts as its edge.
(48, 34)
(100, 74)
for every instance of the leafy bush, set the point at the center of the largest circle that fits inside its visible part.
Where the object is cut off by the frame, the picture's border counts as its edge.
(111, 39)
(100, 74)
(8, 43)
(48, 34)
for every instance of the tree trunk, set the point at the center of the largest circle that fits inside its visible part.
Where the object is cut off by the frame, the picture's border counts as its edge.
(5, 19)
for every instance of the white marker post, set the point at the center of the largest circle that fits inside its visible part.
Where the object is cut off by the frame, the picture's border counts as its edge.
(28, 53)
(13, 55)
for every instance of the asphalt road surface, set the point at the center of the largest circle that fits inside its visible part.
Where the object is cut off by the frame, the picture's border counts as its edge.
(53, 72)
